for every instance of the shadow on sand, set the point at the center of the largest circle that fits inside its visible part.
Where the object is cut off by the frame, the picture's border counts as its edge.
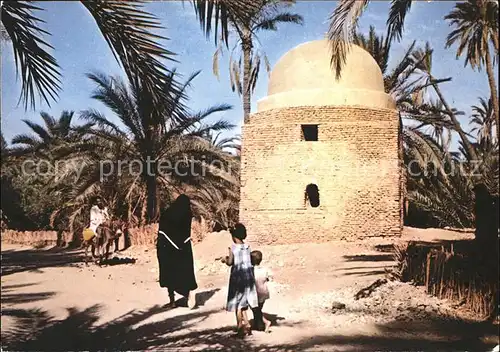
(17, 261)
(369, 258)
(365, 264)
(11, 298)
(201, 298)
(36, 329)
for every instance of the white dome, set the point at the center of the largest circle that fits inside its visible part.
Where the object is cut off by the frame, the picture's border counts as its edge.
(304, 76)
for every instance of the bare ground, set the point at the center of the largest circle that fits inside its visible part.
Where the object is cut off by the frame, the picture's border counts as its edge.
(52, 301)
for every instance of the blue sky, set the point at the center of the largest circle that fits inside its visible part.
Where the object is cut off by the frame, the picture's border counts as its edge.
(79, 49)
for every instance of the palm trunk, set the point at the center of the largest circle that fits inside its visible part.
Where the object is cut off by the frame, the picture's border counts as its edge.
(246, 45)
(486, 226)
(484, 234)
(493, 89)
(144, 211)
(151, 201)
(456, 124)
(481, 222)
(402, 175)
(149, 169)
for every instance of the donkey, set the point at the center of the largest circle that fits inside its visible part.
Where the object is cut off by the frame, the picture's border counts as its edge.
(110, 231)
(113, 230)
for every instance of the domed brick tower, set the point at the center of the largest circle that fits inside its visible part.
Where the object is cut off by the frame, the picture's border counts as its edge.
(320, 157)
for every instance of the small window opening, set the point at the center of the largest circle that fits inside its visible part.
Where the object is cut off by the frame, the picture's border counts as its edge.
(312, 195)
(310, 132)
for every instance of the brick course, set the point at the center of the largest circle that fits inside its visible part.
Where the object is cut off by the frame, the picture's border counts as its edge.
(354, 163)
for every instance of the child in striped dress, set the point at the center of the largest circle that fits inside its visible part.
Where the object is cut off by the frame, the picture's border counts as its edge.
(242, 292)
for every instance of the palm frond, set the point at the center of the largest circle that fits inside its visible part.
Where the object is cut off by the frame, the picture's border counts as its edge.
(36, 67)
(475, 23)
(437, 182)
(271, 23)
(4, 36)
(126, 27)
(176, 110)
(221, 125)
(113, 93)
(268, 64)
(64, 124)
(25, 139)
(482, 119)
(4, 148)
(254, 72)
(406, 64)
(235, 77)
(397, 14)
(342, 27)
(219, 14)
(96, 118)
(49, 121)
(215, 62)
(376, 45)
(39, 130)
(212, 110)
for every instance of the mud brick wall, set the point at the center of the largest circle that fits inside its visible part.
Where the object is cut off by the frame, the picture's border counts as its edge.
(146, 235)
(33, 238)
(143, 235)
(354, 163)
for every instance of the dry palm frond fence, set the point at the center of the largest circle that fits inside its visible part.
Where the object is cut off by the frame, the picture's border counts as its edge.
(35, 238)
(143, 235)
(146, 235)
(453, 271)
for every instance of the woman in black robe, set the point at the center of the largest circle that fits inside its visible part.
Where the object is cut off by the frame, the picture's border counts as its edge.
(486, 214)
(174, 251)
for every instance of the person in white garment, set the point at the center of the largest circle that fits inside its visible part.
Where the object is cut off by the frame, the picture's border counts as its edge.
(98, 215)
(262, 277)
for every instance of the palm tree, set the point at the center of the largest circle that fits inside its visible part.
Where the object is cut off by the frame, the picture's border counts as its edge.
(438, 182)
(44, 139)
(476, 21)
(217, 205)
(476, 24)
(403, 82)
(227, 144)
(154, 133)
(124, 197)
(26, 200)
(398, 81)
(379, 47)
(42, 167)
(444, 197)
(482, 119)
(265, 17)
(124, 25)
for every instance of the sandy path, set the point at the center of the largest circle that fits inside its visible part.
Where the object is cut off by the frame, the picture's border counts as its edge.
(50, 301)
